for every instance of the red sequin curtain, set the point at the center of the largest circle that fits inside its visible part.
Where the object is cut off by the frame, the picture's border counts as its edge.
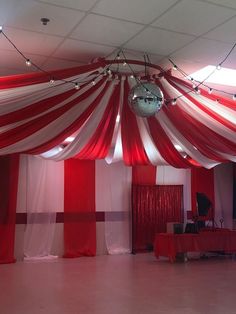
(153, 207)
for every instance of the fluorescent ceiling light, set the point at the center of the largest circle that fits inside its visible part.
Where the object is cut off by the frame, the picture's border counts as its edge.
(224, 76)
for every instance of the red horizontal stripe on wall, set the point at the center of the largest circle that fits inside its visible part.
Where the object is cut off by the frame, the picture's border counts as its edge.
(21, 218)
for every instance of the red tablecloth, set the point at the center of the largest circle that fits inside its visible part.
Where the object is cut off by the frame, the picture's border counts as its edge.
(168, 244)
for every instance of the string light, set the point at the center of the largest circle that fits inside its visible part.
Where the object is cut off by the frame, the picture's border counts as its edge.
(197, 90)
(77, 86)
(28, 63)
(195, 83)
(174, 102)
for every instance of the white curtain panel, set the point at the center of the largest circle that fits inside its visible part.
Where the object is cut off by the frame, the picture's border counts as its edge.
(113, 194)
(42, 193)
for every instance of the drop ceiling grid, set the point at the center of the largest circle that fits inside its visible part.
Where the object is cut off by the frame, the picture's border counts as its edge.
(54, 41)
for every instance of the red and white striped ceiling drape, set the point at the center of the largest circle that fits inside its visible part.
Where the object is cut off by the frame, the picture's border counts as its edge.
(36, 117)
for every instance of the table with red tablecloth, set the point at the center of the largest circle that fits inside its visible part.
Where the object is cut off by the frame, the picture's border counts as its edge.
(169, 244)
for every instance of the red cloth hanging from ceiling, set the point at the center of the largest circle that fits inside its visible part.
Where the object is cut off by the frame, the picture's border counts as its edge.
(144, 175)
(202, 181)
(79, 208)
(9, 168)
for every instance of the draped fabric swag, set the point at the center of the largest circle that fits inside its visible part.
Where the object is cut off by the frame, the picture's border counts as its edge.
(36, 117)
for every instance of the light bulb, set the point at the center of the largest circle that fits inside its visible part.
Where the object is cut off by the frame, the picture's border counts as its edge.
(218, 67)
(124, 63)
(1, 28)
(197, 90)
(173, 102)
(77, 86)
(175, 67)
(209, 90)
(93, 83)
(28, 62)
(52, 81)
(234, 97)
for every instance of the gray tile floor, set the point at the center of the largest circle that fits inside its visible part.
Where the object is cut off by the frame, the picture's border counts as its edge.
(119, 284)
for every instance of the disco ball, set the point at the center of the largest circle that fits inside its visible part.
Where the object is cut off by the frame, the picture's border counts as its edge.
(145, 99)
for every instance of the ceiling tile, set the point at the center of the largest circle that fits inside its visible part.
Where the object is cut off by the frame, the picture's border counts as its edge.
(31, 42)
(83, 5)
(227, 3)
(202, 50)
(13, 60)
(193, 17)
(134, 55)
(133, 10)
(56, 63)
(27, 16)
(81, 51)
(224, 32)
(158, 41)
(105, 30)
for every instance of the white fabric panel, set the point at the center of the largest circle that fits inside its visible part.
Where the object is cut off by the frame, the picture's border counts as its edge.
(179, 139)
(170, 175)
(116, 151)
(42, 193)
(23, 96)
(200, 115)
(153, 154)
(223, 184)
(56, 126)
(113, 188)
(88, 129)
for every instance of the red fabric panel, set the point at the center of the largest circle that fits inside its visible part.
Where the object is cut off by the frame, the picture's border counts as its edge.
(20, 132)
(133, 150)
(144, 175)
(36, 78)
(79, 197)
(208, 111)
(70, 129)
(165, 146)
(225, 102)
(99, 144)
(202, 180)
(34, 109)
(152, 208)
(202, 137)
(9, 168)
